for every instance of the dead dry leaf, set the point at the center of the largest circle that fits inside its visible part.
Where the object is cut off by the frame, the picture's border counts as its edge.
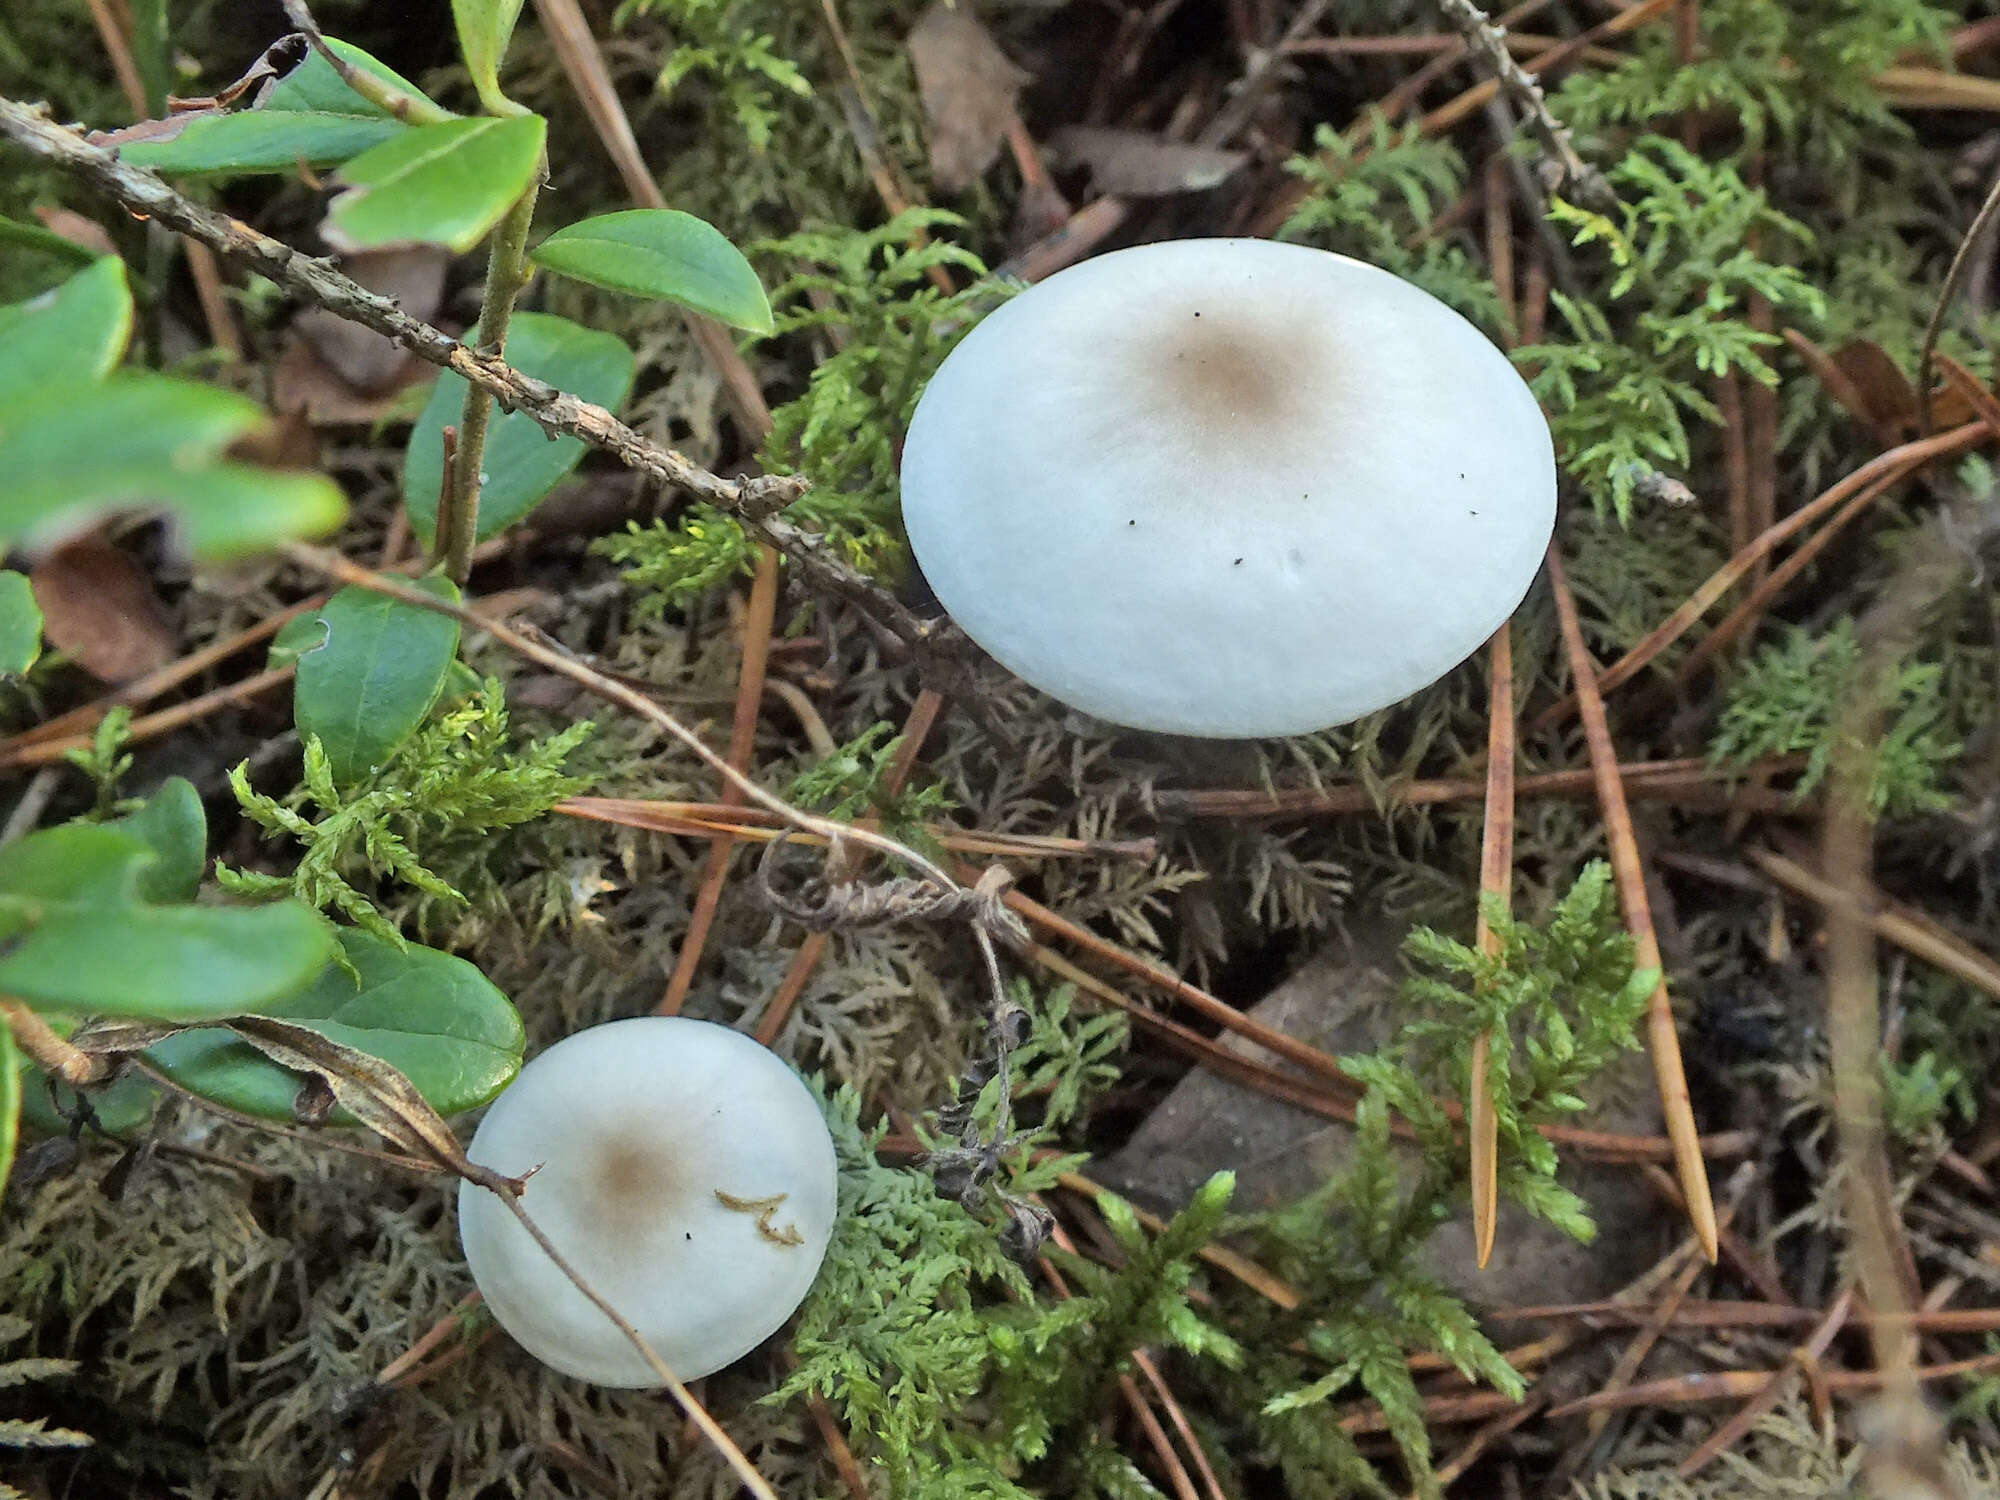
(100, 607)
(1139, 164)
(968, 86)
(302, 381)
(412, 276)
(78, 230)
(1889, 400)
(288, 442)
(374, 1092)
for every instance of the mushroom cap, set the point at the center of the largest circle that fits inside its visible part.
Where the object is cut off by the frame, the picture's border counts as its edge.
(639, 1128)
(1228, 487)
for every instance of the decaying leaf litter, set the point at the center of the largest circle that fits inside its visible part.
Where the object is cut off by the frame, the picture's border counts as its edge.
(1739, 332)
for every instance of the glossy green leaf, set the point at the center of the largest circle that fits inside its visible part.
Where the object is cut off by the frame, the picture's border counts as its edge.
(71, 334)
(660, 252)
(70, 453)
(522, 465)
(379, 667)
(172, 824)
(441, 184)
(294, 638)
(10, 1101)
(20, 625)
(313, 87)
(484, 29)
(78, 864)
(231, 510)
(262, 140)
(85, 943)
(120, 1107)
(435, 1018)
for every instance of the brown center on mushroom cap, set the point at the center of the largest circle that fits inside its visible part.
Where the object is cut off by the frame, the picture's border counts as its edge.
(632, 1176)
(1233, 369)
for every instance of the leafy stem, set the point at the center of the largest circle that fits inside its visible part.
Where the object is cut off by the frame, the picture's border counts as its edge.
(458, 506)
(411, 109)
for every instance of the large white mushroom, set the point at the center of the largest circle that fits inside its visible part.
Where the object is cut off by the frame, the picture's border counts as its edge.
(684, 1171)
(1228, 487)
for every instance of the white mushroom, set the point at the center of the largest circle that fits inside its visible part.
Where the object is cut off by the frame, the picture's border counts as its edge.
(1228, 487)
(684, 1171)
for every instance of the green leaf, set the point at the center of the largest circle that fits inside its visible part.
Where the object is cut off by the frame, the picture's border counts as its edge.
(120, 1107)
(85, 943)
(294, 639)
(74, 333)
(522, 465)
(263, 140)
(230, 510)
(313, 87)
(441, 184)
(660, 252)
(174, 826)
(10, 1101)
(71, 453)
(20, 625)
(435, 1018)
(484, 29)
(379, 667)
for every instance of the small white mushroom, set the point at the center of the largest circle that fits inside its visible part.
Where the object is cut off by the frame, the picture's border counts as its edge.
(1228, 487)
(685, 1172)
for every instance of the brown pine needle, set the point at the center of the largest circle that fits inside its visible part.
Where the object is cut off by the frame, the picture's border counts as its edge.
(1496, 881)
(1897, 461)
(757, 624)
(1662, 1039)
(1727, 1435)
(702, 820)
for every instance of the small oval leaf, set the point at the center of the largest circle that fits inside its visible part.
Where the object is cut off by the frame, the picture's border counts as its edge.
(433, 1017)
(661, 252)
(20, 625)
(484, 29)
(10, 1101)
(174, 826)
(75, 332)
(168, 963)
(262, 140)
(118, 1108)
(314, 87)
(522, 465)
(71, 453)
(444, 184)
(377, 670)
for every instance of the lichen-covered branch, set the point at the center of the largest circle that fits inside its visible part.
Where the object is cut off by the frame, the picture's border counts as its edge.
(755, 501)
(1565, 172)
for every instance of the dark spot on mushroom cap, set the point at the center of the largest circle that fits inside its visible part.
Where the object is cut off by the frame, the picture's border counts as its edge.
(1242, 375)
(632, 1176)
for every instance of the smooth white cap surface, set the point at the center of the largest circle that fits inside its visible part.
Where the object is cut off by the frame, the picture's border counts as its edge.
(1228, 487)
(639, 1128)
